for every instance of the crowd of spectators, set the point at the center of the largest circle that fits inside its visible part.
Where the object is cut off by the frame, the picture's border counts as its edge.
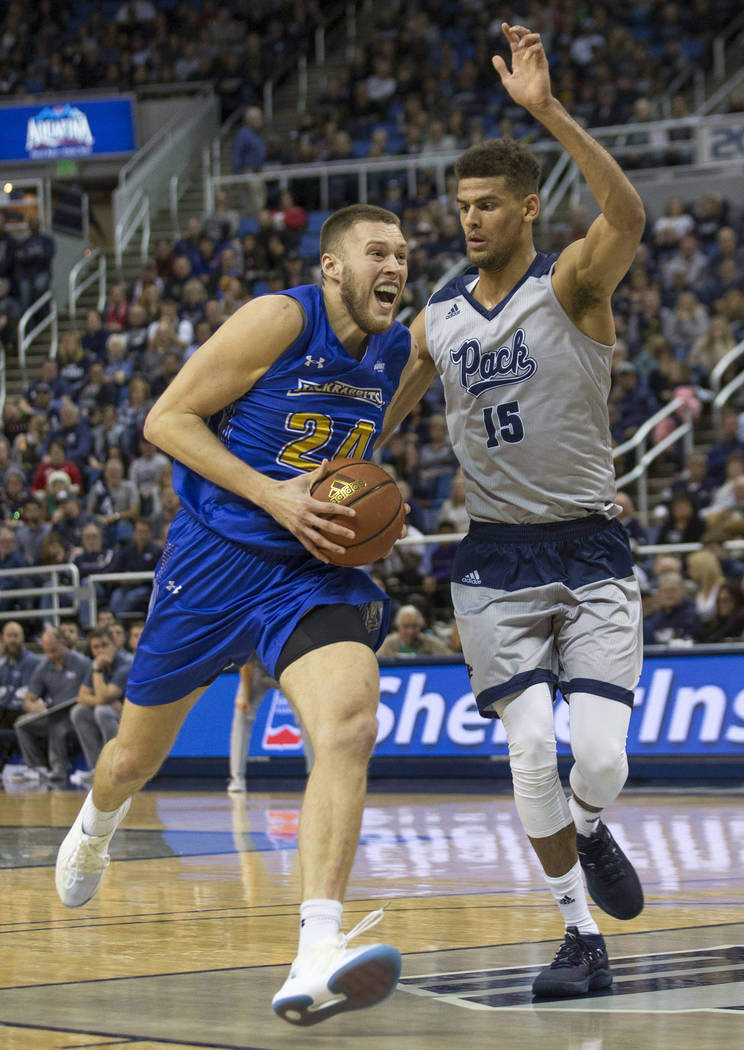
(81, 485)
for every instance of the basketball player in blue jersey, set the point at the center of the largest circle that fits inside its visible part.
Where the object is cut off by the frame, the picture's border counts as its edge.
(543, 585)
(288, 382)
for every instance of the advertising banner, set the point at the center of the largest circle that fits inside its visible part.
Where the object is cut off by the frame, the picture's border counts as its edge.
(63, 130)
(686, 704)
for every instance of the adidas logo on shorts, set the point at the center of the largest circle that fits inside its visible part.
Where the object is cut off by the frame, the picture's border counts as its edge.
(472, 577)
(452, 312)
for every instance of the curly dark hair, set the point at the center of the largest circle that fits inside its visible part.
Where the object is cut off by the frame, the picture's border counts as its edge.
(506, 157)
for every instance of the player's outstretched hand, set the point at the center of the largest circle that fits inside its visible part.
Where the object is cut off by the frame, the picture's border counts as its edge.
(529, 80)
(293, 506)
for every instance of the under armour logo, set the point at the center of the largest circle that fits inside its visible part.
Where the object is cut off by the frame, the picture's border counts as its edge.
(172, 587)
(310, 360)
(452, 312)
(379, 366)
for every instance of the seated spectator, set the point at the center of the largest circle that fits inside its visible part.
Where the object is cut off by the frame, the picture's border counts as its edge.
(97, 391)
(15, 495)
(55, 460)
(730, 493)
(27, 447)
(221, 224)
(166, 504)
(728, 442)
(436, 465)
(170, 364)
(44, 727)
(95, 335)
(182, 274)
(453, 509)
(136, 334)
(684, 523)
(692, 480)
(52, 386)
(687, 263)
(117, 366)
(10, 315)
(183, 331)
(31, 531)
(117, 309)
(59, 489)
(686, 323)
(165, 340)
(33, 264)
(108, 435)
(53, 554)
(144, 473)
(68, 521)
(675, 617)
(74, 432)
(635, 530)
(633, 405)
(114, 500)
(95, 716)
(73, 363)
(139, 555)
(727, 623)
(94, 558)
(17, 666)
(132, 412)
(710, 348)
(704, 569)
(10, 558)
(409, 638)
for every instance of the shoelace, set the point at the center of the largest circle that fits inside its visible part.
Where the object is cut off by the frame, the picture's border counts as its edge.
(86, 860)
(604, 855)
(364, 924)
(572, 952)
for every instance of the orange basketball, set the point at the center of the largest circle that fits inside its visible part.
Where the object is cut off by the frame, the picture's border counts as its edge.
(379, 509)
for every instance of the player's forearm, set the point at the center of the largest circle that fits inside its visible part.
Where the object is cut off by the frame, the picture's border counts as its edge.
(187, 438)
(618, 200)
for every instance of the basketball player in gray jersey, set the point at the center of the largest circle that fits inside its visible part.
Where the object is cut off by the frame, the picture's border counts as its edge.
(543, 584)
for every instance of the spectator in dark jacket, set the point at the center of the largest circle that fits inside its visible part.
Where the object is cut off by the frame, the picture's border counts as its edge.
(141, 555)
(33, 264)
(676, 617)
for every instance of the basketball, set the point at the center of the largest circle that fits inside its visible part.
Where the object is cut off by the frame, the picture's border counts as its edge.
(378, 504)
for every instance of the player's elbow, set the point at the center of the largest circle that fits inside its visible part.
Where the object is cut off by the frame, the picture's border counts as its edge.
(633, 215)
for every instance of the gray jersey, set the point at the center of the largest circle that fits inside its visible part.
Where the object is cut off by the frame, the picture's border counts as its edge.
(526, 396)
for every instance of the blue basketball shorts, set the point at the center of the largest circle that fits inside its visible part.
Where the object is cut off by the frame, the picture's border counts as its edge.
(215, 602)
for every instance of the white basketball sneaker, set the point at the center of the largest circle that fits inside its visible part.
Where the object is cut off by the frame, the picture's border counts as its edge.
(82, 861)
(328, 978)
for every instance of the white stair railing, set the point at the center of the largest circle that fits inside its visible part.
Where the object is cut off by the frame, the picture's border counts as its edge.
(95, 261)
(26, 338)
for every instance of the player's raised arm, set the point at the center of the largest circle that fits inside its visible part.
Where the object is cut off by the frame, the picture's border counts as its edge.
(223, 370)
(414, 382)
(597, 263)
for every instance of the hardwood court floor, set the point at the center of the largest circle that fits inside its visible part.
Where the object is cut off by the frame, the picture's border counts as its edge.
(196, 922)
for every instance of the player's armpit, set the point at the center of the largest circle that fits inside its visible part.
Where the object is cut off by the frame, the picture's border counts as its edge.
(414, 382)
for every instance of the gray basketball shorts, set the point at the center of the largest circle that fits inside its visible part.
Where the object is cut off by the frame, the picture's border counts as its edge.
(555, 603)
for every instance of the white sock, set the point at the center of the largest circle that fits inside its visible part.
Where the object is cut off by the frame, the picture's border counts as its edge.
(584, 819)
(319, 918)
(96, 821)
(240, 735)
(570, 896)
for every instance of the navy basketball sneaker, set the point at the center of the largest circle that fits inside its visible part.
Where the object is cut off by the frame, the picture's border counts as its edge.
(611, 879)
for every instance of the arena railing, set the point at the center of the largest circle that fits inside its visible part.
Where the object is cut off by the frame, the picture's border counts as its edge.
(54, 590)
(94, 260)
(49, 320)
(723, 394)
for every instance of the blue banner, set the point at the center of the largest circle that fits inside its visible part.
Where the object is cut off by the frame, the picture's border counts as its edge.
(685, 704)
(76, 128)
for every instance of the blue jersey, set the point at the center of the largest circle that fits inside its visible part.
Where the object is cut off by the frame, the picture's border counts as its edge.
(315, 402)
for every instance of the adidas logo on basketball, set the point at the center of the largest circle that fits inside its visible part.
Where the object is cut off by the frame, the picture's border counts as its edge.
(472, 577)
(452, 312)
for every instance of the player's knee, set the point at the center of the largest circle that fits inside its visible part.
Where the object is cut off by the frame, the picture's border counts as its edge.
(598, 775)
(532, 748)
(540, 800)
(353, 738)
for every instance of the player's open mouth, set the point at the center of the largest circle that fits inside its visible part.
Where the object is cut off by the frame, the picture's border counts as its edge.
(386, 294)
